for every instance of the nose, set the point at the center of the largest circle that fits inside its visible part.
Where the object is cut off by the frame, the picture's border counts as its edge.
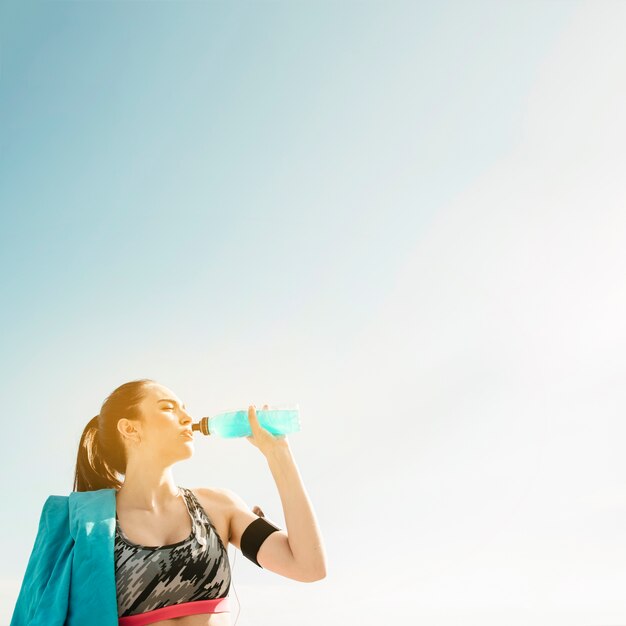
(186, 418)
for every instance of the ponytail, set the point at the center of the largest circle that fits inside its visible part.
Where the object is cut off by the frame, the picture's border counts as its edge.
(101, 459)
(92, 471)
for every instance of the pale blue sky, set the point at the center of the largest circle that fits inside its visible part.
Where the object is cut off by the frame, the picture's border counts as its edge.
(404, 216)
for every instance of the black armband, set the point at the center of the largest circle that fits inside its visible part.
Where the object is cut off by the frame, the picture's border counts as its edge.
(254, 535)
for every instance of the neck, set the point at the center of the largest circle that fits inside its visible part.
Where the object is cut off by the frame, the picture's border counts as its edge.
(147, 489)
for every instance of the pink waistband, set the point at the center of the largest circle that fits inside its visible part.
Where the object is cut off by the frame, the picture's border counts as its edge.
(218, 605)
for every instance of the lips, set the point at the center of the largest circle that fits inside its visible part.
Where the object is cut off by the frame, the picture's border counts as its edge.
(187, 434)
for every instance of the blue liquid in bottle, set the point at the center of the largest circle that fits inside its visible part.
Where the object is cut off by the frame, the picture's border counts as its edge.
(278, 420)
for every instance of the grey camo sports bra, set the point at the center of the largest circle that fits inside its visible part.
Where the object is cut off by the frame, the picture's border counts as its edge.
(191, 576)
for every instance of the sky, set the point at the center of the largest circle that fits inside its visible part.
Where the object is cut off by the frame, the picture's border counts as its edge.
(407, 217)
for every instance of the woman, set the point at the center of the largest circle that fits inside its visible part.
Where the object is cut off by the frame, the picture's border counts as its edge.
(170, 545)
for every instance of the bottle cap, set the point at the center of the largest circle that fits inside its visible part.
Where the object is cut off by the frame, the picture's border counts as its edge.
(202, 425)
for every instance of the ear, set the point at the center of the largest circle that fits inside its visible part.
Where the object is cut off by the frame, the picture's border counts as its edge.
(128, 430)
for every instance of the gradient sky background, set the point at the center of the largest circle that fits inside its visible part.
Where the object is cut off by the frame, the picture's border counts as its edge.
(408, 217)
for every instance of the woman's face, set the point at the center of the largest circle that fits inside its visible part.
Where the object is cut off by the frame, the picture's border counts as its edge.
(165, 420)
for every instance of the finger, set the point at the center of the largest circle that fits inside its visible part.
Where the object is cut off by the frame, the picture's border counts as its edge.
(253, 420)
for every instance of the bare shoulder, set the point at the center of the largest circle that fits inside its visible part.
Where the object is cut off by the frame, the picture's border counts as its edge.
(217, 499)
(218, 506)
(222, 496)
(234, 511)
(212, 494)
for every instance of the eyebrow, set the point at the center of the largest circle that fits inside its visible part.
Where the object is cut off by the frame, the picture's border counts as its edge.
(172, 401)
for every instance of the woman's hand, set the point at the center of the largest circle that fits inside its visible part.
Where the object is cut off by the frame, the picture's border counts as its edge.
(262, 438)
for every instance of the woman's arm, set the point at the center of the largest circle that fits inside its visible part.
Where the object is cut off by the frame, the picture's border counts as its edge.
(298, 551)
(305, 539)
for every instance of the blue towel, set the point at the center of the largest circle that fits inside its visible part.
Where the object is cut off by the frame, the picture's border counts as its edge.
(70, 575)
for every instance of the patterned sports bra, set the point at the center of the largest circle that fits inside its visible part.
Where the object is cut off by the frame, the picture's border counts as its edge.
(184, 578)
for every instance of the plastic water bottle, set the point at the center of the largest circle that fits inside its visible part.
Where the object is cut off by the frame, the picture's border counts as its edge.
(279, 420)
